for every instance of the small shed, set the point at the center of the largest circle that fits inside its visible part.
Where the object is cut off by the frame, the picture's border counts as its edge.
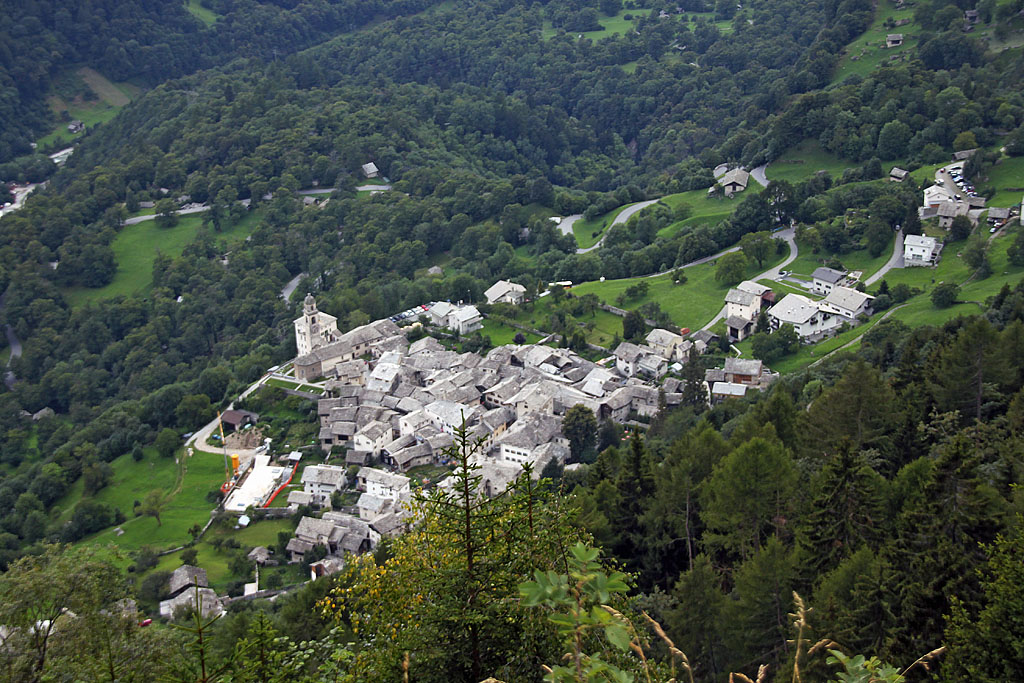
(894, 40)
(370, 170)
(233, 420)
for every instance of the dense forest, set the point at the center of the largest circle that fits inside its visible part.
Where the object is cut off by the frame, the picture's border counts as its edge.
(880, 485)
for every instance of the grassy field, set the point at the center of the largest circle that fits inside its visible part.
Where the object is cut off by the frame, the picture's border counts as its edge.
(868, 52)
(1007, 179)
(803, 161)
(208, 17)
(806, 263)
(186, 487)
(111, 98)
(609, 26)
(691, 305)
(704, 209)
(135, 249)
(502, 334)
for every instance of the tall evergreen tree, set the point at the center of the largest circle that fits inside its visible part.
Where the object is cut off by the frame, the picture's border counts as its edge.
(846, 512)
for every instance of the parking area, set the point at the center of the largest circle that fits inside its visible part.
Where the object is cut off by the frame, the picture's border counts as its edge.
(414, 312)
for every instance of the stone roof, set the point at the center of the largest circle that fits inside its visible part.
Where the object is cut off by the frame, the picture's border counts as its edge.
(330, 475)
(794, 309)
(383, 478)
(846, 298)
(736, 176)
(185, 576)
(741, 298)
(300, 498)
(755, 288)
(729, 389)
(662, 337)
(743, 366)
(532, 430)
(828, 275)
(737, 322)
(500, 289)
(628, 352)
(313, 530)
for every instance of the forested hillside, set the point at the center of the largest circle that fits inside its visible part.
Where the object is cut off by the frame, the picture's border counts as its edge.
(879, 484)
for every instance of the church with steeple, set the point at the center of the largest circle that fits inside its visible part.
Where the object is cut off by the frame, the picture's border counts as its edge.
(315, 328)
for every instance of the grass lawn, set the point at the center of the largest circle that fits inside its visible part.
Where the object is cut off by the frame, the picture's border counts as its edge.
(804, 160)
(1007, 179)
(704, 209)
(691, 305)
(868, 52)
(502, 334)
(609, 26)
(186, 505)
(587, 233)
(111, 98)
(275, 382)
(204, 15)
(427, 475)
(135, 249)
(806, 263)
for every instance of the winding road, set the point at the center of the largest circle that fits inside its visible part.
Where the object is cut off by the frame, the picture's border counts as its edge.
(758, 175)
(14, 343)
(771, 274)
(895, 261)
(286, 291)
(623, 216)
(181, 212)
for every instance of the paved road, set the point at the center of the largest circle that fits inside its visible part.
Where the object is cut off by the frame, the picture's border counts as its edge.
(360, 188)
(20, 194)
(182, 212)
(758, 175)
(772, 273)
(286, 291)
(566, 224)
(623, 216)
(13, 342)
(895, 261)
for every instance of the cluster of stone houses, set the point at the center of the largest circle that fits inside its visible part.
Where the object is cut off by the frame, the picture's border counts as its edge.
(661, 351)
(188, 588)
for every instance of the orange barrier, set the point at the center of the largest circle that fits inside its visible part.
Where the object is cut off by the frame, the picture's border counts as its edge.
(283, 486)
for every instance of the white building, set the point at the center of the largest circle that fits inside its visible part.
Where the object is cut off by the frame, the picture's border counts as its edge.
(825, 279)
(373, 437)
(447, 416)
(320, 481)
(506, 292)
(742, 304)
(461, 319)
(383, 484)
(315, 328)
(804, 315)
(847, 302)
(920, 250)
